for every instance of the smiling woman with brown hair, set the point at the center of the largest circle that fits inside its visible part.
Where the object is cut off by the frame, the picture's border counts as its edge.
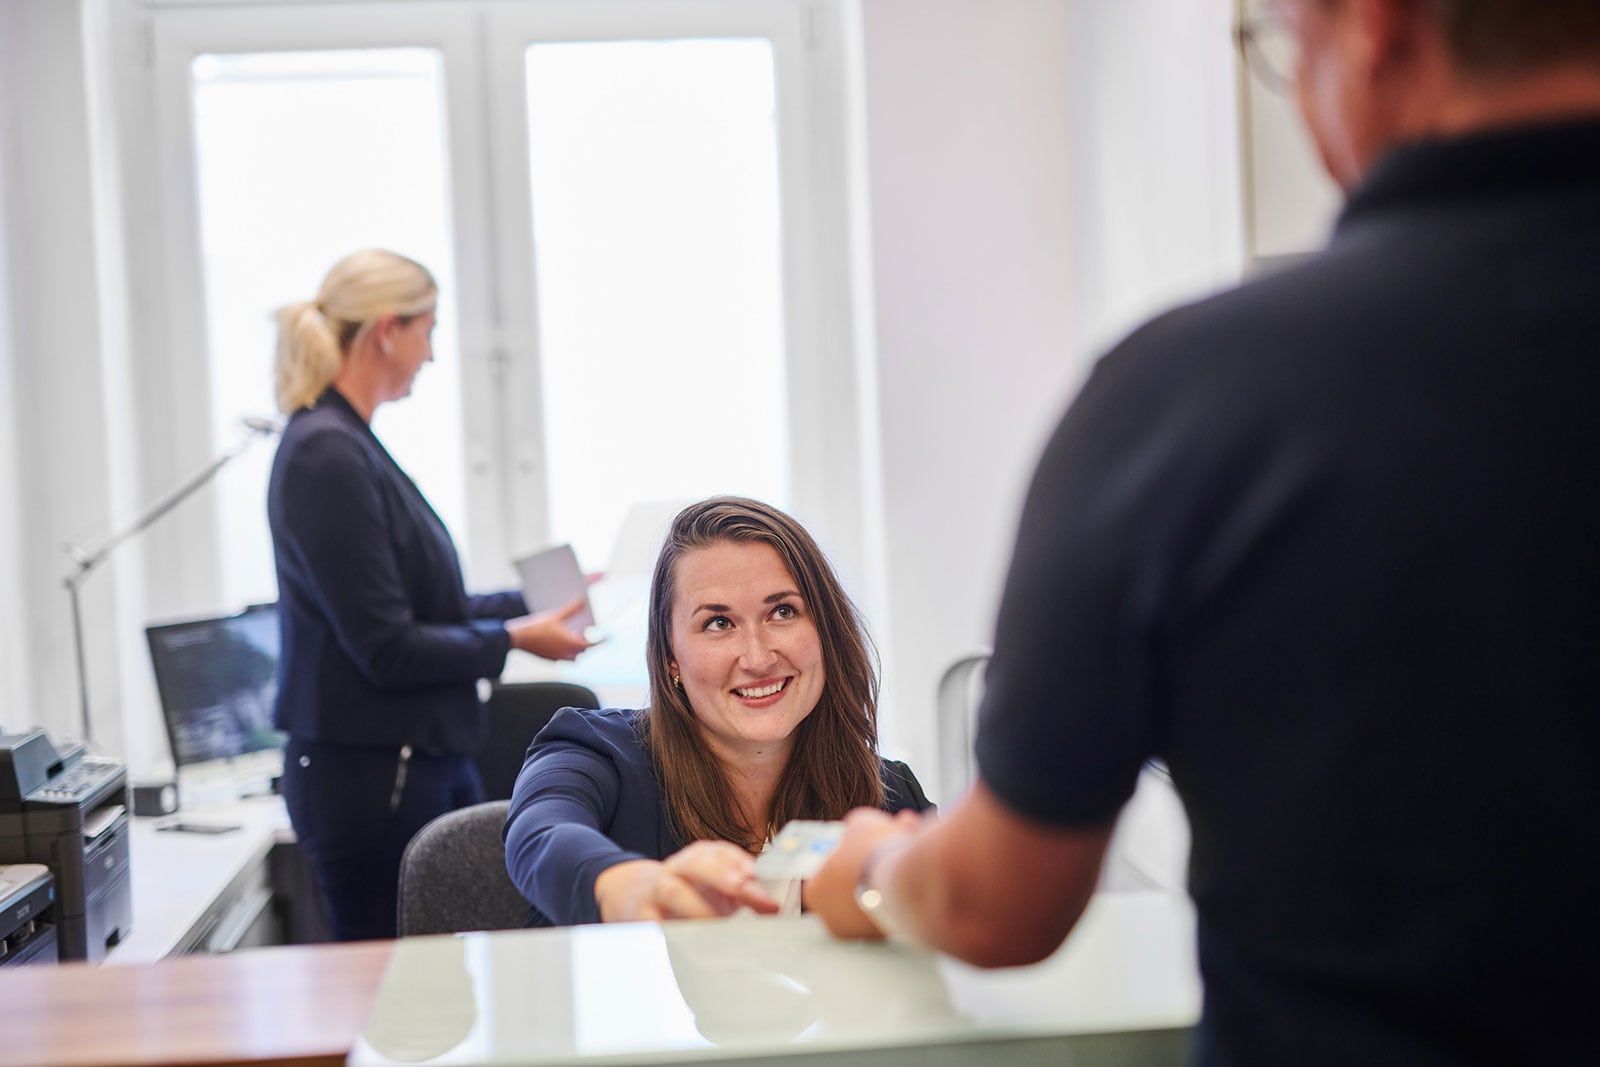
(763, 709)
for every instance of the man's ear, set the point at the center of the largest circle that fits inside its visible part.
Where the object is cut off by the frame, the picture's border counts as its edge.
(1384, 36)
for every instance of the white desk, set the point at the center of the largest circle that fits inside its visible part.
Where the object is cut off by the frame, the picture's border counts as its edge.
(1123, 989)
(190, 889)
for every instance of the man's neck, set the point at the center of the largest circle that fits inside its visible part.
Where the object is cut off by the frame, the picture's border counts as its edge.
(1488, 102)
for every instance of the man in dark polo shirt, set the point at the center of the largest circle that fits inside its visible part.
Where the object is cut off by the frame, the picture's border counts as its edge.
(1330, 546)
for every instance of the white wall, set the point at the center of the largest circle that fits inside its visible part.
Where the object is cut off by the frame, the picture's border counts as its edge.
(64, 487)
(15, 687)
(126, 398)
(1292, 200)
(970, 175)
(1155, 126)
(1043, 174)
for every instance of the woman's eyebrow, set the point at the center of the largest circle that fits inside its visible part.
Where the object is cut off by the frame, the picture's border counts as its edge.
(773, 599)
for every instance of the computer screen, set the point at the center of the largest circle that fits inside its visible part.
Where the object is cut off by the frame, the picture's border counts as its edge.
(218, 680)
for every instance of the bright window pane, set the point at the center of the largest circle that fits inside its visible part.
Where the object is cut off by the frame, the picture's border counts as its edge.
(657, 231)
(304, 157)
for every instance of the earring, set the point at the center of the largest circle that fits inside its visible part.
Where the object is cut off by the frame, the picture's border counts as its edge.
(677, 682)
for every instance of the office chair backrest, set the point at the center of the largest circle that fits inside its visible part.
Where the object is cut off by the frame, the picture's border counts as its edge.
(1150, 848)
(453, 875)
(960, 692)
(517, 712)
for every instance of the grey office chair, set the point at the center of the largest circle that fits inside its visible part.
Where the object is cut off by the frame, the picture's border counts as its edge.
(960, 692)
(1150, 848)
(516, 713)
(453, 876)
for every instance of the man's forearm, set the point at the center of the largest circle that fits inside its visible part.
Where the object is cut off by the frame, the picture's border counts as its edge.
(985, 886)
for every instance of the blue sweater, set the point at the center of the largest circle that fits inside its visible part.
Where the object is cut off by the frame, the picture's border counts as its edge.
(587, 799)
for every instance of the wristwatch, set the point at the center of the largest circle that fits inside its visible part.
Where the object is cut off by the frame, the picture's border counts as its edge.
(872, 901)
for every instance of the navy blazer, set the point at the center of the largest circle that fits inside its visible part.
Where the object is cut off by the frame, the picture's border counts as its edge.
(382, 645)
(587, 799)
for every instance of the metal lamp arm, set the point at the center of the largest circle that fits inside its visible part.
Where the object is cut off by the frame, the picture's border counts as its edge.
(85, 560)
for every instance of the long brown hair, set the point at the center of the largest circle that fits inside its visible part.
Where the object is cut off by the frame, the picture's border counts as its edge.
(834, 764)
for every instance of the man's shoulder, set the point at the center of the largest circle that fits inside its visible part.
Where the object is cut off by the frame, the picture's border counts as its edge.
(1270, 345)
(1314, 300)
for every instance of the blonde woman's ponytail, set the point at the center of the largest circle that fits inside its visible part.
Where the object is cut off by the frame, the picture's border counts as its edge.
(315, 336)
(308, 356)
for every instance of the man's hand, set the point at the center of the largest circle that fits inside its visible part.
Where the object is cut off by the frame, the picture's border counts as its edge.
(701, 881)
(980, 883)
(832, 892)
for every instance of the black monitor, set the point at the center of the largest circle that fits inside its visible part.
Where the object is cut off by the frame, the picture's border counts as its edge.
(218, 681)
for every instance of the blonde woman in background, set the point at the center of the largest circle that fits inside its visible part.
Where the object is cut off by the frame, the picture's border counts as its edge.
(382, 644)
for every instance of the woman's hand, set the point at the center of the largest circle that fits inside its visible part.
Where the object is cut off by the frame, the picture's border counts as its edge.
(546, 634)
(701, 881)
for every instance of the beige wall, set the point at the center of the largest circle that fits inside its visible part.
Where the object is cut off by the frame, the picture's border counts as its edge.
(1043, 174)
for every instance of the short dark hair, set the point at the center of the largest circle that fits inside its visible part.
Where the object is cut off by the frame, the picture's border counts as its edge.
(1506, 36)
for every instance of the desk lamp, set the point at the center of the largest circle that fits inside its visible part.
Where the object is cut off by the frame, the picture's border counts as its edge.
(86, 559)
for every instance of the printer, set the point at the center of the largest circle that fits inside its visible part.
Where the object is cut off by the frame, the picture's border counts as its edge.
(68, 811)
(27, 914)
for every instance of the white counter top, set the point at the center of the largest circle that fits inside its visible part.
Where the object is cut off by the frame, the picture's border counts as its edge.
(179, 879)
(747, 989)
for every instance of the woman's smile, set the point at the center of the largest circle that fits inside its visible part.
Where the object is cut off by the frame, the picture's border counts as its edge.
(763, 694)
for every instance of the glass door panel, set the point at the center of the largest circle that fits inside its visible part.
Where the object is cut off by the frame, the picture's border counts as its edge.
(658, 242)
(302, 157)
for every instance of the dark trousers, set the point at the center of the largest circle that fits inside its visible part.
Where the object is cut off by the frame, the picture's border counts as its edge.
(354, 812)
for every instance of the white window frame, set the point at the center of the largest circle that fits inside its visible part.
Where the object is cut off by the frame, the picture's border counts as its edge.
(483, 44)
(177, 37)
(512, 28)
